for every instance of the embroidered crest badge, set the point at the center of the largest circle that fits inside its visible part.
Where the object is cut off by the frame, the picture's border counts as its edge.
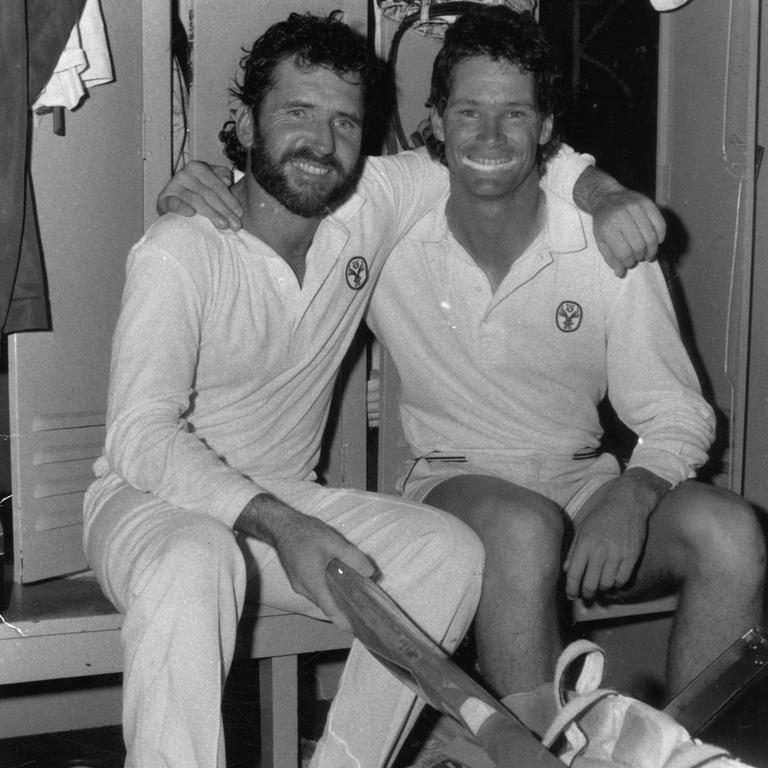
(357, 273)
(568, 316)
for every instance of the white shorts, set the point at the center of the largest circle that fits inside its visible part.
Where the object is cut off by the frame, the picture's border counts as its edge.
(567, 481)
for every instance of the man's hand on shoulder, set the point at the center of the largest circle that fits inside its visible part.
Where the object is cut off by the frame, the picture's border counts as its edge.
(305, 546)
(204, 189)
(628, 226)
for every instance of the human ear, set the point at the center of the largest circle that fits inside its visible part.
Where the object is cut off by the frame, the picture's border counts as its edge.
(437, 124)
(244, 126)
(546, 130)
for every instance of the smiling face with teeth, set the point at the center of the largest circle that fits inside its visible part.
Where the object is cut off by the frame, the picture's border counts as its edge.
(305, 142)
(492, 129)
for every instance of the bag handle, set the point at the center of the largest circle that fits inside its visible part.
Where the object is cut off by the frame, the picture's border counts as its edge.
(586, 693)
(566, 720)
(591, 674)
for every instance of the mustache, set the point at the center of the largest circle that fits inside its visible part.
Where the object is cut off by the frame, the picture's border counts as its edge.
(305, 153)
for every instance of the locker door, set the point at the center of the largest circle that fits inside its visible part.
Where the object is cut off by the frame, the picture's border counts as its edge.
(89, 185)
(706, 180)
(756, 450)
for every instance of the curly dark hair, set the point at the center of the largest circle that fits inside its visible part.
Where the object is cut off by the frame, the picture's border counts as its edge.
(311, 41)
(498, 32)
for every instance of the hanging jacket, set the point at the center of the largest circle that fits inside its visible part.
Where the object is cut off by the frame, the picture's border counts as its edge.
(33, 34)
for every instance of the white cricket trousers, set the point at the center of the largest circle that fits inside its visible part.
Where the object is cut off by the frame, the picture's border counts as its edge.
(179, 578)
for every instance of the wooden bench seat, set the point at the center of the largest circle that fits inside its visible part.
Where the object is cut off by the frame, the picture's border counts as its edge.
(66, 628)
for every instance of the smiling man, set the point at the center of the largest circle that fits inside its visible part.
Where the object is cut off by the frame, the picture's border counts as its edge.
(223, 365)
(508, 329)
(307, 180)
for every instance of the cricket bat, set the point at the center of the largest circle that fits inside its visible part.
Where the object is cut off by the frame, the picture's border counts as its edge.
(387, 632)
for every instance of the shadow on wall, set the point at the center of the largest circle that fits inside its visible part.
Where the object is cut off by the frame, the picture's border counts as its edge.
(5, 463)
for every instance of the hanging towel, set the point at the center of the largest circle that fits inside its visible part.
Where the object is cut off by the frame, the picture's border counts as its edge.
(667, 5)
(84, 63)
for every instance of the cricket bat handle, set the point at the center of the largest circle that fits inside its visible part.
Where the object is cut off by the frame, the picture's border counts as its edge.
(422, 665)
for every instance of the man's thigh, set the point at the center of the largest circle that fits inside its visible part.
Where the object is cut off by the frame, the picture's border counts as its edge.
(129, 534)
(487, 502)
(564, 481)
(397, 534)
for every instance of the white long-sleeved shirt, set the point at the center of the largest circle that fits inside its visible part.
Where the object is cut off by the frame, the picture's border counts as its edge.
(517, 373)
(223, 366)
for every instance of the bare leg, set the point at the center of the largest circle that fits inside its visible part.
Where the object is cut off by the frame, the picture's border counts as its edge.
(516, 625)
(706, 543)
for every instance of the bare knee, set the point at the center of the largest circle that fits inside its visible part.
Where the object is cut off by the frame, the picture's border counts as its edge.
(522, 539)
(725, 538)
(520, 530)
(532, 523)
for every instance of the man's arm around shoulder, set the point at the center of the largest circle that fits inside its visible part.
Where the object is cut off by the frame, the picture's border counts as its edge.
(628, 226)
(205, 189)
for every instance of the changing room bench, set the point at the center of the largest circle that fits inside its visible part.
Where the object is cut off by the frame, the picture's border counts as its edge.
(66, 628)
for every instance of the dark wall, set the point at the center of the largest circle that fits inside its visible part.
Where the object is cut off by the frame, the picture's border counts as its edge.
(609, 51)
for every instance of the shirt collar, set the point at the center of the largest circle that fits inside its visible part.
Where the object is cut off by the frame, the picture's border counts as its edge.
(565, 226)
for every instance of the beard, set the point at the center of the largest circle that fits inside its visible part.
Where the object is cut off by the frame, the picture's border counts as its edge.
(310, 199)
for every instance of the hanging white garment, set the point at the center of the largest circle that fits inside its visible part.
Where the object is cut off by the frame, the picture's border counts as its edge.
(667, 5)
(84, 63)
